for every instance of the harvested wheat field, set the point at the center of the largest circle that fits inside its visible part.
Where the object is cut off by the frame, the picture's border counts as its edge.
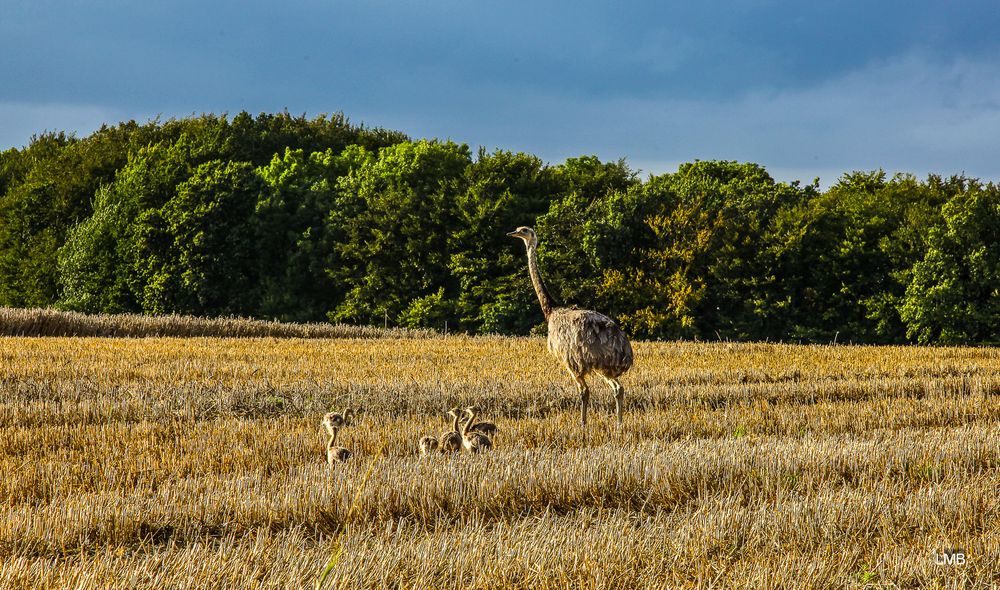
(201, 463)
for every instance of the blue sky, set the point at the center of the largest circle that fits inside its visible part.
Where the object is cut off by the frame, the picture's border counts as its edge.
(805, 89)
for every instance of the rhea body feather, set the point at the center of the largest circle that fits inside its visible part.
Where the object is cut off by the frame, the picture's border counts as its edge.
(588, 342)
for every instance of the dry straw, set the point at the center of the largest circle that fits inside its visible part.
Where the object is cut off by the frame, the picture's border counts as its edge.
(48, 322)
(198, 463)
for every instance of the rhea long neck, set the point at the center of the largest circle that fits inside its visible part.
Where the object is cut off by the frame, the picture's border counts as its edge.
(536, 279)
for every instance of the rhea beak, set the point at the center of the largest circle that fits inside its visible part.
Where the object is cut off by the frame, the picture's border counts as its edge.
(513, 234)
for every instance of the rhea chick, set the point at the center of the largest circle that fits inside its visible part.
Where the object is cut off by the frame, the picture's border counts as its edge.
(428, 444)
(335, 454)
(474, 441)
(487, 428)
(334, 420)
(353, 415)
(451, 441)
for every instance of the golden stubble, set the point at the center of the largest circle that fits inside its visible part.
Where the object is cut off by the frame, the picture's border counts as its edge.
(200, 462)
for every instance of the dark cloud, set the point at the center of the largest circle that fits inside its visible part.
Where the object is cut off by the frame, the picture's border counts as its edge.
(790, 85)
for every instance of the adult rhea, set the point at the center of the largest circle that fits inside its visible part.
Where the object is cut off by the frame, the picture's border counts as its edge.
(585, 341)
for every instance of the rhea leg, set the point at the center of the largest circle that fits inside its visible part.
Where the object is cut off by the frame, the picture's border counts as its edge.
(619, 392)
(581, 386)
(619, 398)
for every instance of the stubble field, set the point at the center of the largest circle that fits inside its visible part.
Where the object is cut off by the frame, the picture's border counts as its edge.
(200, 463)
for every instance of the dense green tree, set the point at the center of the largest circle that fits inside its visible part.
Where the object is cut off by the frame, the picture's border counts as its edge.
(91, 267)
(103, 266)
(37, 205)
(392, 220)
(113, 259)
(209, 220)
(681, 255)
(737, 204)
(845, 254)
(296, 244)
(954, 295)
(282, 216)
(49, 187)
(502, 191)
(591, 178)
(575, 229)
(258, 139)
(656, 288)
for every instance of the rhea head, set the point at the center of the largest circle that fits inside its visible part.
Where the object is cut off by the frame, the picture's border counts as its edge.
(333, 421)
(527, 234)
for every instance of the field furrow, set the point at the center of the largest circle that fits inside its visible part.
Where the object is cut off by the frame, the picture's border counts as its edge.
(200, 463)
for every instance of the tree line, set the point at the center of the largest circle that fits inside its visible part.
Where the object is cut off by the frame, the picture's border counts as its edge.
(284, 217)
